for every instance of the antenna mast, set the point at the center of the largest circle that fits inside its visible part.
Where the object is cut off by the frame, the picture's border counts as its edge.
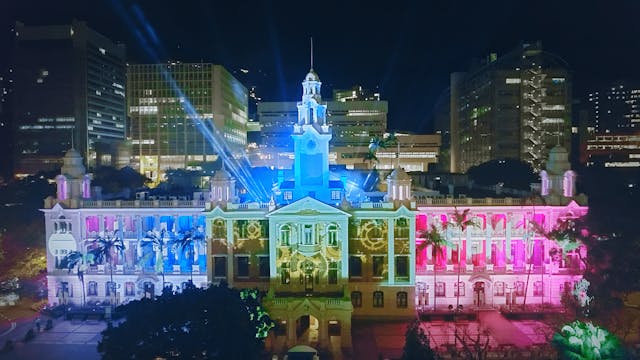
(311, 53)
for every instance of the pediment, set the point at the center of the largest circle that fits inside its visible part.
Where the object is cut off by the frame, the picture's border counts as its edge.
(308, 206)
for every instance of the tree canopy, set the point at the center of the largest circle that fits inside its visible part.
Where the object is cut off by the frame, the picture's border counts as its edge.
(416, 344)
(212, 323)
(513, 173)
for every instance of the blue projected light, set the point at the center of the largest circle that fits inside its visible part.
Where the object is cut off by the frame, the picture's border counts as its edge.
(151, 45)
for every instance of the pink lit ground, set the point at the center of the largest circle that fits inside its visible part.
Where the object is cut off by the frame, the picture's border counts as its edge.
(373, 340)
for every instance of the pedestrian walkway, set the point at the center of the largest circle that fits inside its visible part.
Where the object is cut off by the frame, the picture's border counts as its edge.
(503, 330)
(66, 332)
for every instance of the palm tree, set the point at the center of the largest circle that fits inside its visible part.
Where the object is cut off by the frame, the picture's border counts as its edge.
(434, 238)
(76, 260)
(377, 143)
(191, 239)
(460, 221)
(108, 246)
(156, 239)
(564, 234)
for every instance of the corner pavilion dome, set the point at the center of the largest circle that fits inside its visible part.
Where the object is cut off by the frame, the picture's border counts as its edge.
(398, 174)
(312, 76)
(222, 175)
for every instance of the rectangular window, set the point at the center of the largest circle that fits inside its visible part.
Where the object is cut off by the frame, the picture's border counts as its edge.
(288, 195)
(285, 275)
(333, 273)
(355, 266)
(335, 194)
(264, 266)
(92, 288)
(402, 266)
(356, 299)
(401, 299)
(379, 264)
(242, 266)
(219, 266)
(458, 289)
(538, 289)
(109, 288)
(308, 235)
(129, 288)
(499, 288)
(441, 289)
(378, 299)
(519, 288)
(512, 81)
(333, 236)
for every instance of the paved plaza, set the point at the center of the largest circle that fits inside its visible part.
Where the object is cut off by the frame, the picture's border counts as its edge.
(377, 339)
(371, 339)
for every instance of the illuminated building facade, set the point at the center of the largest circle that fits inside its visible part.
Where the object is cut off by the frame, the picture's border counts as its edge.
(167, 103)
(516, 106)
(68, 81)
(324, 252)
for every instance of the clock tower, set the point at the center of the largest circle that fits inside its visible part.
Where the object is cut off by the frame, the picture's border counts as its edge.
(311, 136)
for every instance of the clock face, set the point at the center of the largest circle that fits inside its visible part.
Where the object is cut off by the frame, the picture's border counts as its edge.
(311, 144)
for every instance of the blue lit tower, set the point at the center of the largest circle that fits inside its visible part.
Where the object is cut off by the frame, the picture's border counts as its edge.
(311, 136)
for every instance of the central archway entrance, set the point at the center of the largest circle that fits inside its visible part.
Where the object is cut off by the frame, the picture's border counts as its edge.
(307, 329)
(478, 294)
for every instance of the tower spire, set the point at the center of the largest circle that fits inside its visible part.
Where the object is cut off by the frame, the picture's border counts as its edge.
(311, 53)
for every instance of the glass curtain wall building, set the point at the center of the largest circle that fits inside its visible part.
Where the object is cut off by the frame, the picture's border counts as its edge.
(168, 102)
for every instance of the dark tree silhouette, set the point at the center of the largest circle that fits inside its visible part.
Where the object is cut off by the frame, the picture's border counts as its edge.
(416, 344)
(212, 323)
(514, 174)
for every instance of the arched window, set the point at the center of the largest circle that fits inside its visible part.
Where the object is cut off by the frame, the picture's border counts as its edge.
(498, 288)
(285, 235)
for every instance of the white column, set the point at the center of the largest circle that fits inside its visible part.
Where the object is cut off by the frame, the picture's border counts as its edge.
(489, 240)
(344, 248)
(230, 257)
(469, 246)
(273, 242)
(412, 249)
(507, 249)
(391, 251)
(100, 224)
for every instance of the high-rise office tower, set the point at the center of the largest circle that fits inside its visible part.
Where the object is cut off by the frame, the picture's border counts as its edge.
(516, 106)
(69, 90)
(184, 114)
(615, 108)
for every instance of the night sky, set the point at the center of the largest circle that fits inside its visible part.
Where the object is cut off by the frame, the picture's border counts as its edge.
(405, 50)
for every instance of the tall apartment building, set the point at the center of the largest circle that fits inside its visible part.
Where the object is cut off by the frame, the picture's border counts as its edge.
(610, 127)
(183, 114)
(69, 90)
(354, 122)
(516, 106)
(615, 108)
